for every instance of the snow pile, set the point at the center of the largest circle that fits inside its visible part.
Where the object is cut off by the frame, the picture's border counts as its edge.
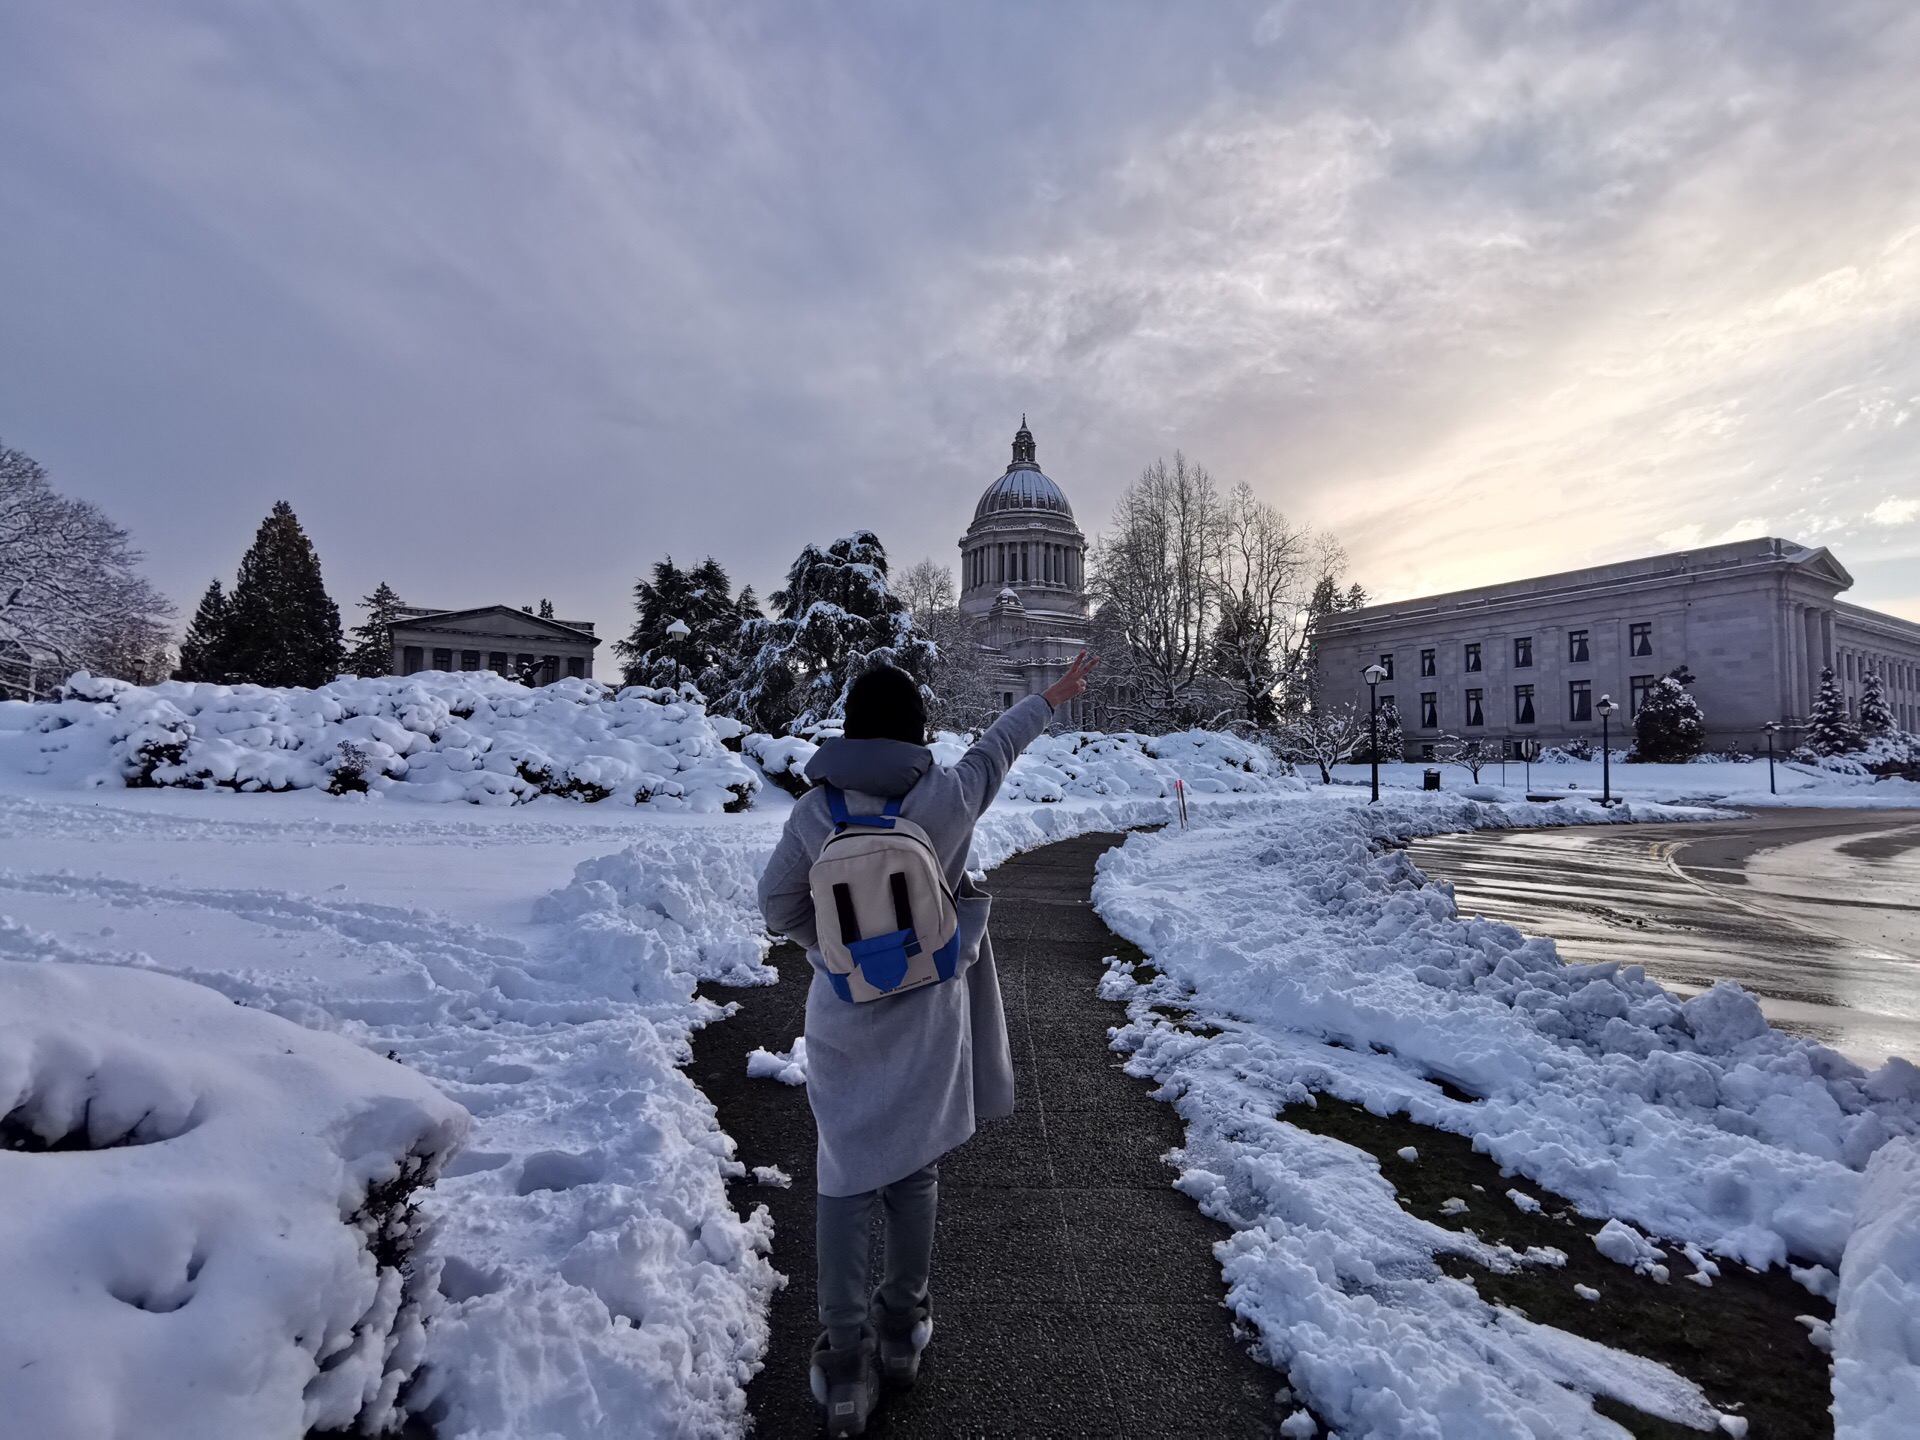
(602, 1284)
(1081, 765)
(1876, 1332)
(1696, 1121)
(788, 1067)
(434, 736)
(206, 1227)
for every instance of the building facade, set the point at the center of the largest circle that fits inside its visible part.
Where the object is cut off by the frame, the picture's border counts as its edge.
(510, 642)
(1754, 621)
(1023, 577)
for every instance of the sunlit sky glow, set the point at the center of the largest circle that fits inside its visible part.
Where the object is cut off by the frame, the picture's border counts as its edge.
(511, 299)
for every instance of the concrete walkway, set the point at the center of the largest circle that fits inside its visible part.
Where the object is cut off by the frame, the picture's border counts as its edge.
(1075, 1292)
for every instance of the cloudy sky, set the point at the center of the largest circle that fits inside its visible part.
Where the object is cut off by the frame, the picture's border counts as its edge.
(510, 299)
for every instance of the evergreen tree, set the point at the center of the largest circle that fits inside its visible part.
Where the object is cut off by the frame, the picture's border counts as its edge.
(1670, 728)
(1393, 740)
(372, 652)
(203, 647)
(546, 608)
(1832, 731)
(1875, 718)
(834, 620)
(282, 627)
(711, 654)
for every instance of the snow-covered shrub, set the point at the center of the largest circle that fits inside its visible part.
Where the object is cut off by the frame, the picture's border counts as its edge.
(247, 1179)
(435, 736)
(1670, 728)
(1080, 763)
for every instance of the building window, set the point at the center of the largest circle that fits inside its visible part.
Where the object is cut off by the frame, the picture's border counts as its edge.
(549, 669)
(1006, 700)
(1474, 715)
(1429, 710)
(1640, 638)
(469, 659)
(1518, 749)
(1473, 657)
(412, 660)
(1522, 652)
(1579, 700)
(1426, 662)
(576, 668)
(1426, 752)
(497, 661)
(1577, 647)
(443, 659)
(1386, 664)
(1523, 705)
(1640, 690)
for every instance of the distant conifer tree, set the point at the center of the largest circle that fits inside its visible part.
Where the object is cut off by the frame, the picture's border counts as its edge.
(1875, 718)
(546, 608)
(203, 648)
(1832, 731)
(282, 627)
(372, 652)
(711, 653)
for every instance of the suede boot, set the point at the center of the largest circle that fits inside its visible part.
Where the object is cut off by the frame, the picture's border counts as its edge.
(902, 1336)
(845, 1383)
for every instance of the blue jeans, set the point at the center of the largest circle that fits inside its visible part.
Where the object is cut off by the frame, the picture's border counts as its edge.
(840, 1247)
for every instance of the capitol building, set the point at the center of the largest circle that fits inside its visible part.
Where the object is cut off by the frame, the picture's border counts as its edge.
(1023, 578)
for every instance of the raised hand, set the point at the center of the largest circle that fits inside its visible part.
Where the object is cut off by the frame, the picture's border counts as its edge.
(1073, 683)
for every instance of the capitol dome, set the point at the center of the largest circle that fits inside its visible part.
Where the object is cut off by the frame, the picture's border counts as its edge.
(1024, 486)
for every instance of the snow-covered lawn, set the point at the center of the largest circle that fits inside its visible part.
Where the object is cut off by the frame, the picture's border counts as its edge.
(1693, 1121)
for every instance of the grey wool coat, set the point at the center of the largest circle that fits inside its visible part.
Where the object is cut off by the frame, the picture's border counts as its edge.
(896, 1083)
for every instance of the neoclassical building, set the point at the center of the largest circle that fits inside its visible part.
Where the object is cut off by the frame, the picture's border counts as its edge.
(1756, 621)
(1023, 576)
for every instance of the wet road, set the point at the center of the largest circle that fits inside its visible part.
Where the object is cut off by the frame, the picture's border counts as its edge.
(1815, 911)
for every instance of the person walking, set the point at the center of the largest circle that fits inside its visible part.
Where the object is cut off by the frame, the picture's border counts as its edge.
(906, 1043)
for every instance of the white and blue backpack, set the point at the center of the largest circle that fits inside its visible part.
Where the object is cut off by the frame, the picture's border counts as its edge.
(885, 918)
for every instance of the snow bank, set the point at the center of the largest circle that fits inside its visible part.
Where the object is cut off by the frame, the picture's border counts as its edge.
(1082, 764)
(1876, 1332)
(433, 736)
(204, 1212)
(1695, 1120)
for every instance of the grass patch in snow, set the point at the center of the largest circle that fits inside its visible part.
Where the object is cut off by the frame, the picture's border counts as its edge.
(1739, 1340)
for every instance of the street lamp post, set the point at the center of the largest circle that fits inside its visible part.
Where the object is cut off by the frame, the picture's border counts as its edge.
(678, 630)
(1606, 707)
(1770, 727)
(1375, 673)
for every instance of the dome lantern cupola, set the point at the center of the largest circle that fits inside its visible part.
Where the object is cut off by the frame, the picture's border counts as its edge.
(1023, 456)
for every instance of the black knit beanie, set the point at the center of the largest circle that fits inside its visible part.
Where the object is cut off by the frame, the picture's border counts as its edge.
(885, 704)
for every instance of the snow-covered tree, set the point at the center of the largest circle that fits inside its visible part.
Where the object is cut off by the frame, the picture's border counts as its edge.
(1156, 574)
(711, 653)
(282, 626)
(834, 620)
(1670, 728)
(1261, 561)
(69, 595)
(372, 652)
(1832, 730)
(1321, 733)
(1875, 718)
(203, 648)
(1393, 740)
(962, 695)
(1472, 755)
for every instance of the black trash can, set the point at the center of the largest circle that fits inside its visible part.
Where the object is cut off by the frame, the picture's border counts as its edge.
(1431, 780)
